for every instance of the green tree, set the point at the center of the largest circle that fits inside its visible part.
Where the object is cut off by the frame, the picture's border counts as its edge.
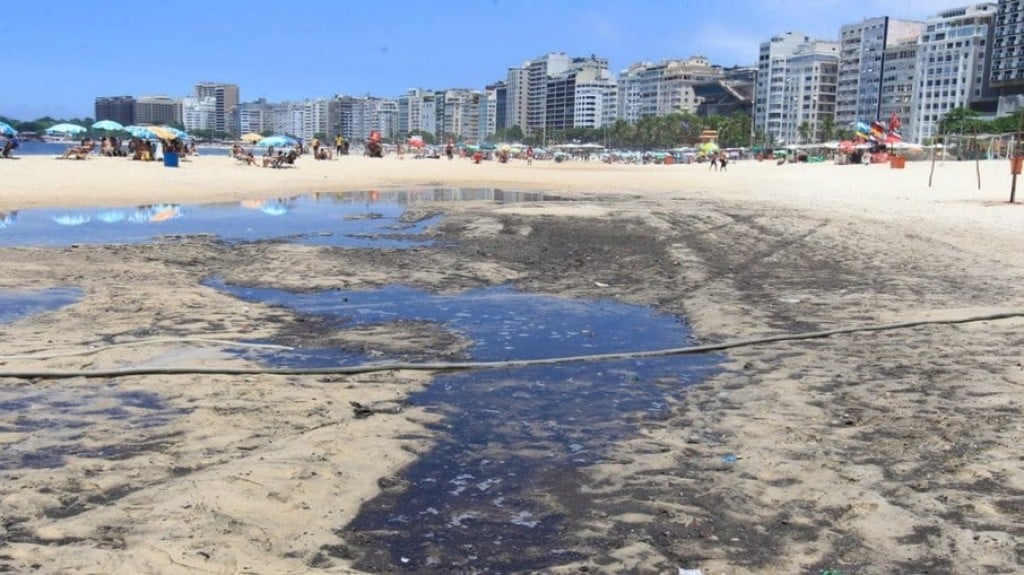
(804, 129)
(828, 128)
(961, 121)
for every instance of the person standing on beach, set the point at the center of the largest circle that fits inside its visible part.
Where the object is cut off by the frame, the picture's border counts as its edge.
(723, 161)
(529, 156)
(315, 144)
(339, 144)
(714, 162)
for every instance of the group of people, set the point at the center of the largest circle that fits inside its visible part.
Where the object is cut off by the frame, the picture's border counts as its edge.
(719, 161)
(270, 158)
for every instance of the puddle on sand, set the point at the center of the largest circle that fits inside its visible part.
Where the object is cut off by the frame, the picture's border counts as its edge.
(58, 422)
(351, 219)
(19, 304)
(482, 498)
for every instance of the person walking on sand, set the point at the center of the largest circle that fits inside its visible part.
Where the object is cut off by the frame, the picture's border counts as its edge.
(529, 156)
(714, 162)
(723, 161)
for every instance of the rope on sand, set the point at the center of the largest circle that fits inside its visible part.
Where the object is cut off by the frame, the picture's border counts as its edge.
(102, 348)
(462, 366)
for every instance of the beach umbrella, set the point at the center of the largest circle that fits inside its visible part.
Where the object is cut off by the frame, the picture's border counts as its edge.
(108, 125)
(7, 130)
(251, 137)
(152, 132)
(277, 142)
(709, 147)
(66, 129)
(71, 219)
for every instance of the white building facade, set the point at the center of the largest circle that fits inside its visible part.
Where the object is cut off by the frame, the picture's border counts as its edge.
(951, 65)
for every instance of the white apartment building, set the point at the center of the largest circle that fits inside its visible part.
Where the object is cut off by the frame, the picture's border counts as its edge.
(199, 113)
(517, 98)
(861, 63)
(538, 71)
(809, 94)
(417, 112)
(784, 98)
(898, 73)
(661, 88)
(950, 65)
(596, 98)
(461, 114)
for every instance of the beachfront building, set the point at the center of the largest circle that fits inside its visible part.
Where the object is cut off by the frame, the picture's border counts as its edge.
(584, 96)
(199, 113)
(254, 117)
(898, 76)
(226, 99)
(951, 65)
(496, 112)
(460, 117)
(1006, 73)
(354, 118)
(538, 71)
(733, 94)
(157, 110)
(661, 88)
(417, 112)
(517, 96)
(120, 109)
(796, 84)
(861, 64)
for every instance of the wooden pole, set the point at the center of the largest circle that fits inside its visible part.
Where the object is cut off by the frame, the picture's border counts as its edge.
(931, 173)
(977, 154)
(1015, 155)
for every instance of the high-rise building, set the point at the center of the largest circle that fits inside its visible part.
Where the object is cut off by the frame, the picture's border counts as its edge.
(951, 71)
(661, 88)
(517, 98)
(861, 63)
(254, 117)
(898, 77)
(417, 112)
(354, 118)
(1007, 66)
(157, 110)
(120, 109)
(497, 108)
(198, 113)
(796, 79)
(538, 71)
(461, 115)
(584, 96)
(226, 98)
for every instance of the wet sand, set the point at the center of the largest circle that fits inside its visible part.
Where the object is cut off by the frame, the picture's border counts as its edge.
(869, 453)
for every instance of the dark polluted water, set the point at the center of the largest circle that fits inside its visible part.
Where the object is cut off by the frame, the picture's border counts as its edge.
(349, 219)
(19, 304)
(486, 498)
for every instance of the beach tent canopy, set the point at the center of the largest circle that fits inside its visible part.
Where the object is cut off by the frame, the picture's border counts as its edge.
(108, 125)
(66, 129)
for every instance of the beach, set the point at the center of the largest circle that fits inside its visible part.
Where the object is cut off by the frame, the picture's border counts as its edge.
(870, 452)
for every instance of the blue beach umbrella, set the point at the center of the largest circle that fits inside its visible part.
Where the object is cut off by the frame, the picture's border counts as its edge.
(71, 219)
(7, 130)
(66, 129)
(109, 125)
(277, 142)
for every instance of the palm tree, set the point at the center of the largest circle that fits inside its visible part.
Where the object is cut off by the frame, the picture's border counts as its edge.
(828, 128)
(804, 129)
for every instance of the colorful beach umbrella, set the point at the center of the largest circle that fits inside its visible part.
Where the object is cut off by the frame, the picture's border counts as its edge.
(277, 142)
(152, 132)
(7, 130)
(65, 128)
(251, 137)
(108, 125)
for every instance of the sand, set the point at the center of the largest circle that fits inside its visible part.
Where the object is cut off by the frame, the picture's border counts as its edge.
(868, 453)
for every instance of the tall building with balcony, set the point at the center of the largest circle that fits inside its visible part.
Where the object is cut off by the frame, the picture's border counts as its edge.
(497, 108)
(861, 64)
(157, 110)
(198, 113)
(417, 112)
(354, 118)
(461, 114)
(254, 117)
(796, 83)
(583, 96)
(951, 65)
(1006, 74)
(226, 100)
(898, 77)
(517, 98)
(120, 109)
(538, 71)
(661, 88)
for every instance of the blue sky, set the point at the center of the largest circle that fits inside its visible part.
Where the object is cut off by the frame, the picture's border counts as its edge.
(60, 54)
